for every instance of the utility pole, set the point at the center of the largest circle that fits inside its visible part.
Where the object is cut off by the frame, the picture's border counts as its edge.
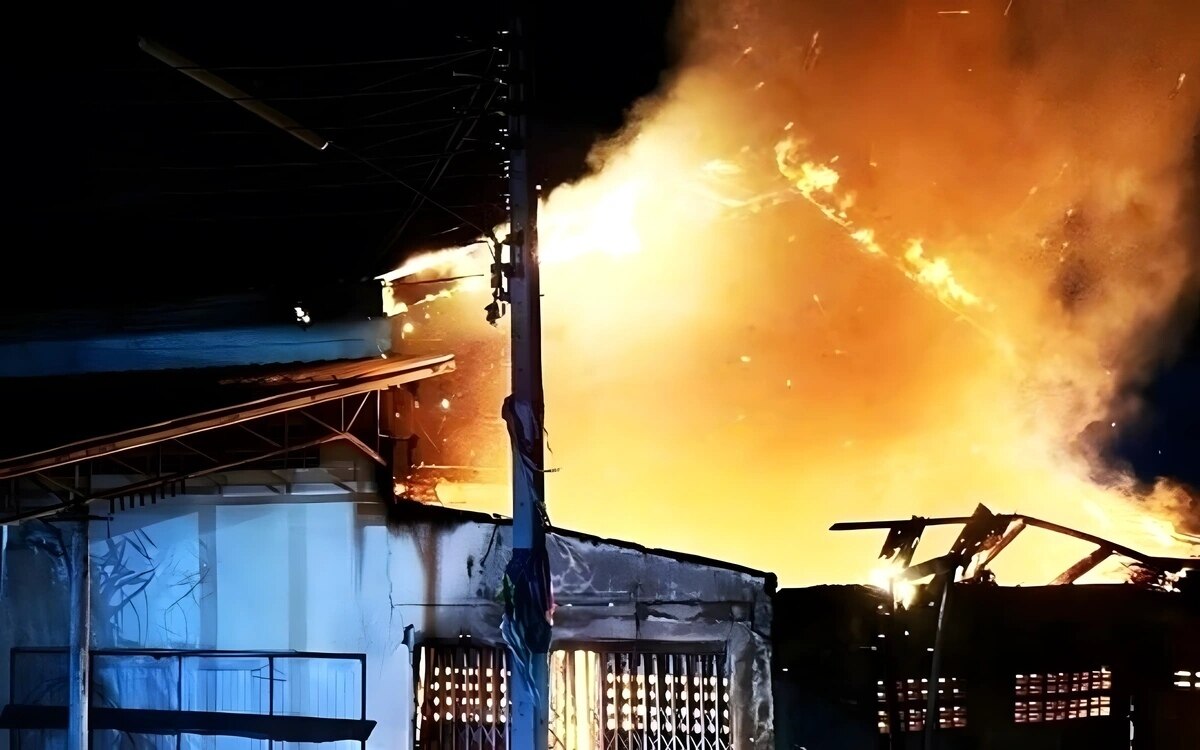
(528, 605)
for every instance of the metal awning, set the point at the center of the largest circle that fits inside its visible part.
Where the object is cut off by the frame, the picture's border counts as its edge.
(331, 402)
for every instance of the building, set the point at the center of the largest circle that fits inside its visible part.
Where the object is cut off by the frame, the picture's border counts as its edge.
(255, 583)
(1087, 667)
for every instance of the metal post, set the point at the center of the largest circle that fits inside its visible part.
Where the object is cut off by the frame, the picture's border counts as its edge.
(80, 634)
(529, 720)
(896, 725)
(178, 695)
(932, 721)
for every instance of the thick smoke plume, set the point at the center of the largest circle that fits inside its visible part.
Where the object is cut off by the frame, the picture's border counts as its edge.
(743, 345)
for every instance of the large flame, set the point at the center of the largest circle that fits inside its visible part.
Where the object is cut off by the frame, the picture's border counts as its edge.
(902, 268)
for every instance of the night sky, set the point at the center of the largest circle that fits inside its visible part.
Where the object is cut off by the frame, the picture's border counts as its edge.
(129, 184)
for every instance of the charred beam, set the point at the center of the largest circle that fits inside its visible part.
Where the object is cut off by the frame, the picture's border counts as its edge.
(1079, 569)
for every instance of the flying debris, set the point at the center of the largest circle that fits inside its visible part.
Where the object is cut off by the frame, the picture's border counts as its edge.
(1178, 85)
(813, 53)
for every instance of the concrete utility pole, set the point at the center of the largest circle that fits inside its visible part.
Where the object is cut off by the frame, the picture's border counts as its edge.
(80, 631)
(528, 573)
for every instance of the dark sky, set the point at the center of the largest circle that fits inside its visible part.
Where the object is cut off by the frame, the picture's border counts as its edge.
(129, 184)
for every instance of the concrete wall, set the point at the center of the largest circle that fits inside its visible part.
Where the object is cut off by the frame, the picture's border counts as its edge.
(327, 573)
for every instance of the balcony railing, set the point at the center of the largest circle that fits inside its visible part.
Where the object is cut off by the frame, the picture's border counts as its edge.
(188, 699)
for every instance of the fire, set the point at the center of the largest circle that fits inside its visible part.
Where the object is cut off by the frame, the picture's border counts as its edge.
(884, 577)
(754, 305)
(814, 181)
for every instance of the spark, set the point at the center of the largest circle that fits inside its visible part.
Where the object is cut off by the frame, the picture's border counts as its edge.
(813, 54)
(745, 358)
(408, 328)
(445, 404)
(1008, 7)
(1178, 85)
(954, 12)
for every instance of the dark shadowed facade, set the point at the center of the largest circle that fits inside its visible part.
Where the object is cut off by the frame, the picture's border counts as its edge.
(1041, 668)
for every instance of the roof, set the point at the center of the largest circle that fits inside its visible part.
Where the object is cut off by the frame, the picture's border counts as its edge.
(83, 416)
(409, 511)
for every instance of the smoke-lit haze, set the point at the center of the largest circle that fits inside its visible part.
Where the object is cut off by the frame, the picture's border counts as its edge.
(733, 362)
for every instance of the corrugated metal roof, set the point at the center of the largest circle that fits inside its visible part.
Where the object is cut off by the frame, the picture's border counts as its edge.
(83, 415)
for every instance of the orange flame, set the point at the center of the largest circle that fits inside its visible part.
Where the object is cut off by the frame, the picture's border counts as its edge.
(730, 371)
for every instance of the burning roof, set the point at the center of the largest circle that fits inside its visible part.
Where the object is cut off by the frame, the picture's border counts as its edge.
(985, 535)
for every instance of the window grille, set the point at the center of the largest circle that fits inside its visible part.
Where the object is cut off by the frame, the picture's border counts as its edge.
(461, 698)
(1060, 696)
(653, 701)
(912, 700)
(599, 700)
(1185, 680)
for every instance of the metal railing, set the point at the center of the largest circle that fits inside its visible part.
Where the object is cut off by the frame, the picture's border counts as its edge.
(273, 683)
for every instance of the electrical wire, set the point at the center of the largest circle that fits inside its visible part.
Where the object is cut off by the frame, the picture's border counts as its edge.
(396, 178)
(440, 90)
(409, 136)
(323, 128)
(353, 63)
(428, 157)
(410, 105)
(438, 170)
(438, 59)
(415, 73)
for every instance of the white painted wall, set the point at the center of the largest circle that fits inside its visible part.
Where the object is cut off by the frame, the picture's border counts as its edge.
(328, 574)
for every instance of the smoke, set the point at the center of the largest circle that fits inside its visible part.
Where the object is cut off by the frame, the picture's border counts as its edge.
(738, 356)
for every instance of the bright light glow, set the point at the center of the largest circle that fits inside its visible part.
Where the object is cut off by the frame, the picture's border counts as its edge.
(972, 335)
(884, 578)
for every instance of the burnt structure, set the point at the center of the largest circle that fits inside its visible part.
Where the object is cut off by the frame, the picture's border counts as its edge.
(1043, 667)
(964, 663)
(254, 579)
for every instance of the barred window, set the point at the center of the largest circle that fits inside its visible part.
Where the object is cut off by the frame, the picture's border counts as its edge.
(1185, 680)
(1059, 696)
(462, 701)
(652, 700)
(599, 700)
(912, 702)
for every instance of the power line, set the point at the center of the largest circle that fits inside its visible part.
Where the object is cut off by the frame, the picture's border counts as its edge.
(439, 169)
(409, 136)
(360, 126)
(407, 186)
(427, 157)
(448, 56)
(442, 90)
(274, 217)
(315, 186)
(353, 63)
(414, 73)
(409, 105)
